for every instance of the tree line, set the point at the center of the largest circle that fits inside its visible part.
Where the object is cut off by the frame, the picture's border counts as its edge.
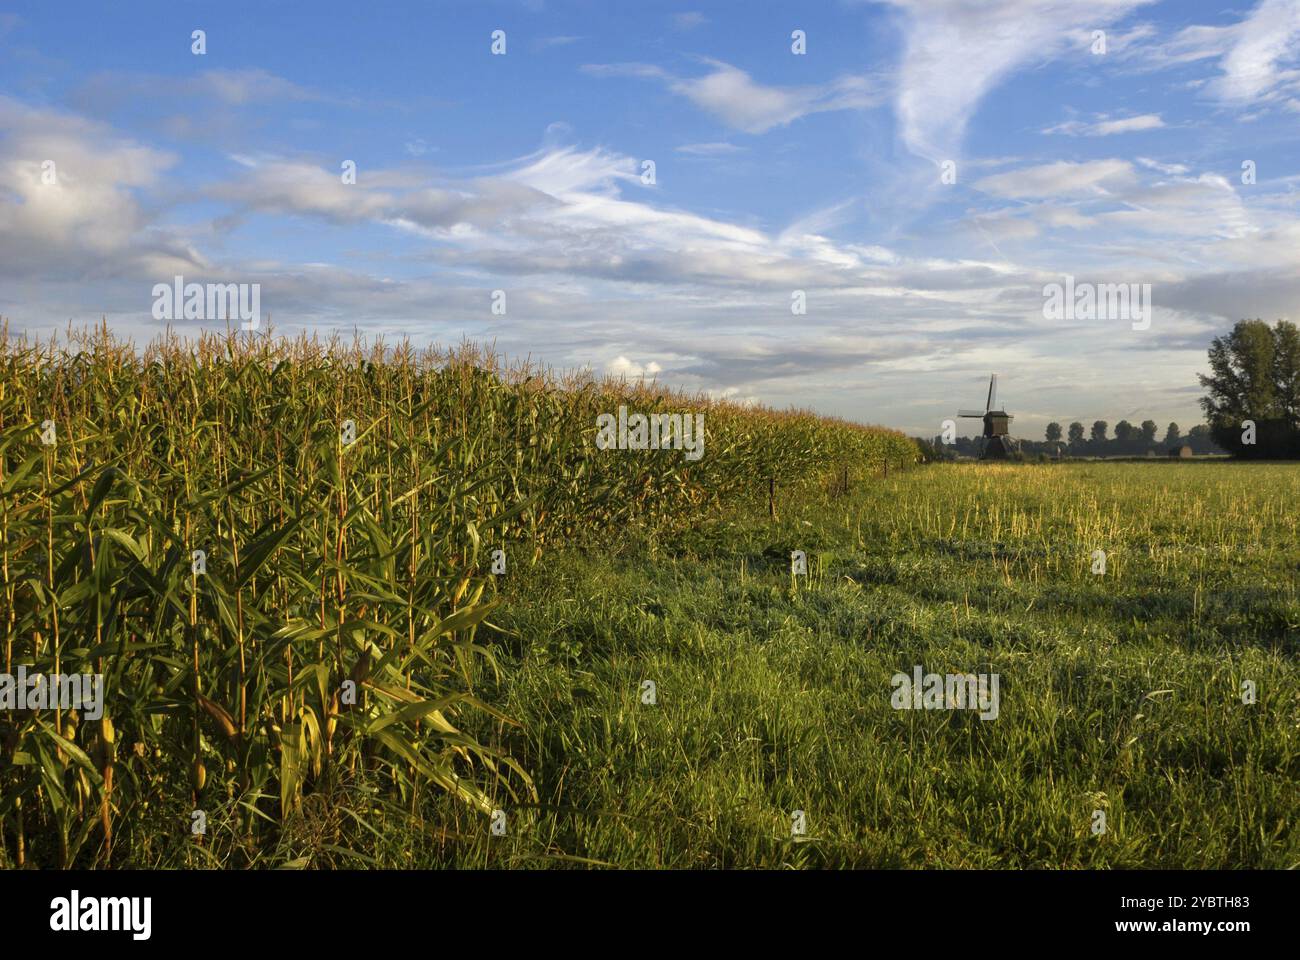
(1128, 440)
(1252, 408)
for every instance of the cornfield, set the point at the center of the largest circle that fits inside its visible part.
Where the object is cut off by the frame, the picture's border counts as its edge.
(277, 555)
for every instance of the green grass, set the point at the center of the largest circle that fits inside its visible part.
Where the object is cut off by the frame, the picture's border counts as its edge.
(1119, 692)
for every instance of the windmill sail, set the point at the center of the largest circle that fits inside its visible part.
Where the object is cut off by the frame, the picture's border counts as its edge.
(996, 440)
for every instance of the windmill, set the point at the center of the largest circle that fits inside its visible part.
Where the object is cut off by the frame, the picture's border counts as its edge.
(998, 444)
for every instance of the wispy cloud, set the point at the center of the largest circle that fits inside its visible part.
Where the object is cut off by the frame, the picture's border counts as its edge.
(709, 149)
(956, 51)
(1171, 168)
(230, 87)
(1105, 127)
(734, 97)
(544, 43)
(1060, 179)
(1257, 56)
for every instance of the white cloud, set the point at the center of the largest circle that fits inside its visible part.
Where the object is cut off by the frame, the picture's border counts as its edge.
(87, 218)
(1170, 168)
(1104, 127)
(1145, 121)
(236, 87)
(561, 41)
(1255, 50)
(623, 367)
(1004, 225)
(1257, 56)
(738, 395)
(1070, 217)
(1125, 211)
(1060, 179)
(1267, 37)
(731, 95)
(956, 51)
(301, 188)
(708, 149)
(1201, 207)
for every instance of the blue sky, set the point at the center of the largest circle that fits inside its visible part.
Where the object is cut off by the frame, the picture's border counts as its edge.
(774, 173)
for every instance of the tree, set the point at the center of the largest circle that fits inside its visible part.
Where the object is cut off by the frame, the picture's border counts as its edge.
(1149, 429)
(929, 453)
(1053, 432)
(1124, 431)
(1076, 433)
(1255, 375)
(1099, 431)
(1200, 438)
(1286, 369)
(1172, 435)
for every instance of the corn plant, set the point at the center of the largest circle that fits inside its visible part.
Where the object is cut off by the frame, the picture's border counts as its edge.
(274, 554)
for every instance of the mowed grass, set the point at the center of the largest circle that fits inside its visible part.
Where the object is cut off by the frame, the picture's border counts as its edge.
(1120, 692)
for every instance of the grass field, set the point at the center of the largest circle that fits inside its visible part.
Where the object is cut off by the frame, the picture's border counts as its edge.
(1120, 692)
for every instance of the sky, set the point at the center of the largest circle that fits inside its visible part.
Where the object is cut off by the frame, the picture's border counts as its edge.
(656, 188)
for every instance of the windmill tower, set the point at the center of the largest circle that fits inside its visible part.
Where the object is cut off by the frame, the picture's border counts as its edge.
(998, 444)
